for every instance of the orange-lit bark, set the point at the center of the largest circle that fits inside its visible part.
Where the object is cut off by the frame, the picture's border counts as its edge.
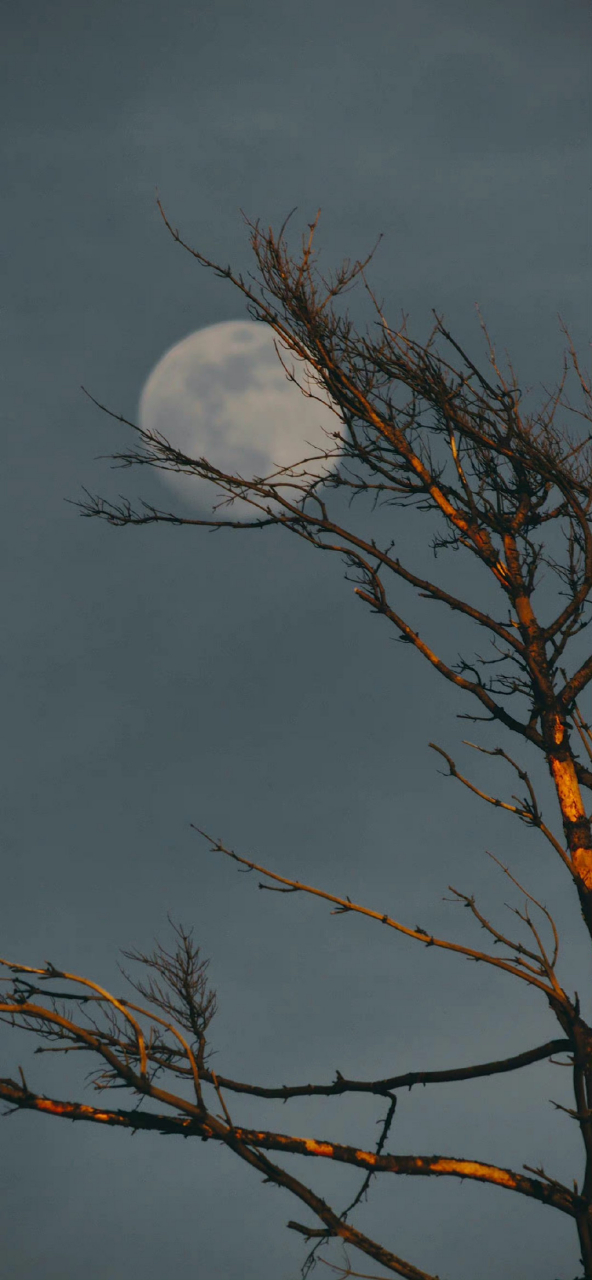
(573, 812)
(419, 1166)
(499, 485)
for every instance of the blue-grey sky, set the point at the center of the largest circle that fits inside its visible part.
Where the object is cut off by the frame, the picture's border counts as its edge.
(157, 677)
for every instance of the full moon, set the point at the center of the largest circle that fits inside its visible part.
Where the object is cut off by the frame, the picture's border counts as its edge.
(222, 394)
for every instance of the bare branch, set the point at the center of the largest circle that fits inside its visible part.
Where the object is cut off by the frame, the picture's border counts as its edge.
(419, 935)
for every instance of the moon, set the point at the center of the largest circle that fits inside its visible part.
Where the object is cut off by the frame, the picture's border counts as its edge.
(222, 394)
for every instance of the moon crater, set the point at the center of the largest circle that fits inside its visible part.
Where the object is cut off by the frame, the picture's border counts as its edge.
(222, 394)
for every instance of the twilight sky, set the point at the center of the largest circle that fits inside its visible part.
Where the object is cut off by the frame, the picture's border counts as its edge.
(158, 677)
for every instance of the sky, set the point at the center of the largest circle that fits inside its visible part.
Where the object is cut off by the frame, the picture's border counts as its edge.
(158, 677)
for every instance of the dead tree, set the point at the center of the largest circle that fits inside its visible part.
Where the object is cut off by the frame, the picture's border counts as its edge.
(416, 425)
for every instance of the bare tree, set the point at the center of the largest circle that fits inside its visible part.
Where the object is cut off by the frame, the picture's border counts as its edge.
(414, 428)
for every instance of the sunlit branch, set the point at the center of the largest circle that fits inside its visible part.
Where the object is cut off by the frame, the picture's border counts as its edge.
(420, 935)
(378, 602)
(528, 812)
(578, 682)
(241, 1141)
(540, 907)
(552, 1193)
(429, 433)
